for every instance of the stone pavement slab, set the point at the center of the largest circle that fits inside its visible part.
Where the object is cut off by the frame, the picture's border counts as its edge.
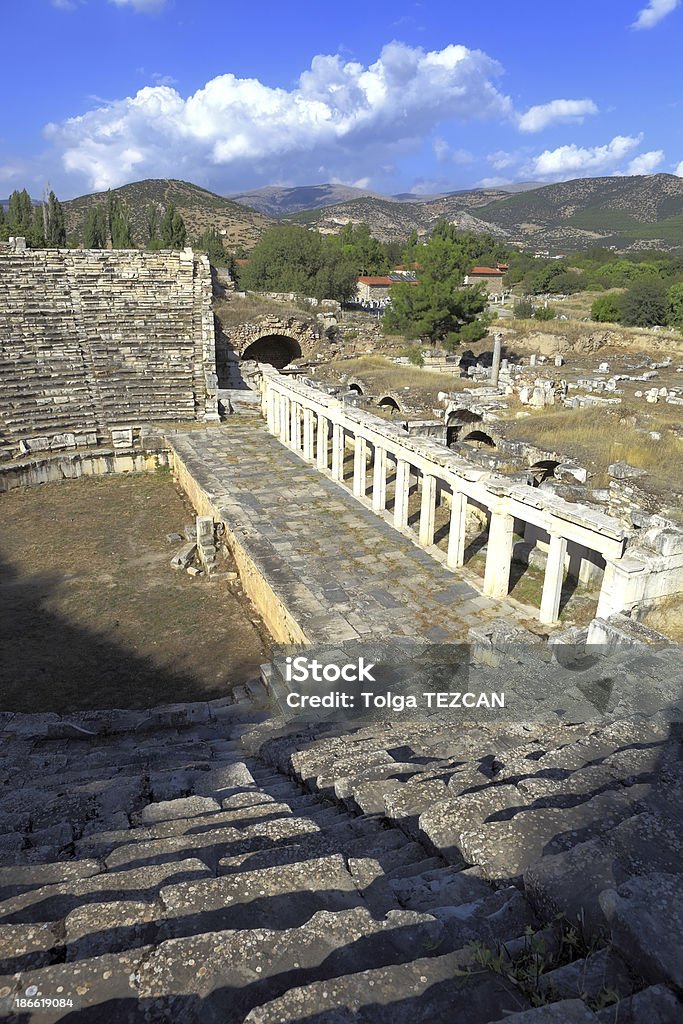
(342, 571)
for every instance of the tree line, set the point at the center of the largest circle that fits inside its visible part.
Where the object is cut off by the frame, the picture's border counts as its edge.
(42, 224)
(107, 224)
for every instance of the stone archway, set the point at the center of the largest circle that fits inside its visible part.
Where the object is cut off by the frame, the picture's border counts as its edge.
(456, 421)
(389, 404)
(543, 470)
(279, 350)
(480, 439)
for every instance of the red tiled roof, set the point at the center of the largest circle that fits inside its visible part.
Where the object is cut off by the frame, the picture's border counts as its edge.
(494, 271)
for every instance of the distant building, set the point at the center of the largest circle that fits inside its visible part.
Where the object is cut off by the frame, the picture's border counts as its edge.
(376, 289)
(490, 277)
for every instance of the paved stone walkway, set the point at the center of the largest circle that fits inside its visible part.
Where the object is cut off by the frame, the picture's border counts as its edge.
(342, 570)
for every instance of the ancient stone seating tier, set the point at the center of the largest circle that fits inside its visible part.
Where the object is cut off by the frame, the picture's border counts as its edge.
(198, 863)
(94, 340)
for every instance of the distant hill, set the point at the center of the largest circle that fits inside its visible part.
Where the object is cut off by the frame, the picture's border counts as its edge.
(390, 220)
(199, 208)
(642, 211)
(622, 211)
(278, 201)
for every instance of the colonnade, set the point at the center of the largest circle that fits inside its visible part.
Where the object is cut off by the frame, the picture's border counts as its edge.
(305, 419)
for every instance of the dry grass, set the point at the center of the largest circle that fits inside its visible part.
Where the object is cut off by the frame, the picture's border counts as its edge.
(233, 311)
(383, 375)
(667, 618)
(598, 438)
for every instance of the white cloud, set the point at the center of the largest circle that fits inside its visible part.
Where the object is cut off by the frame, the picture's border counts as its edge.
(144, 6)
(646, 163)
(502, 160)
(654, 12)
(679, 170)
(575, 161)
(444, 153)
(341, 116)
(556, 112)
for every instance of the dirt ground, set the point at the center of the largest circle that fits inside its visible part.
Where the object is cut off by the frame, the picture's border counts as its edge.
(92, 615)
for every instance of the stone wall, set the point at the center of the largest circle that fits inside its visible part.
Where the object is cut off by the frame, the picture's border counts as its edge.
(95, 340)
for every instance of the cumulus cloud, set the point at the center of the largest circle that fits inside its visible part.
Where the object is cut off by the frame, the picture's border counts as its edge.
(679, 170)
(646, 163)
(577, 161)
(654, 12)
(340, 118)
(556, 112)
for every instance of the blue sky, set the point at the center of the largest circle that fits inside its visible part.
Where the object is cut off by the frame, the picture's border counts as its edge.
(399, 96)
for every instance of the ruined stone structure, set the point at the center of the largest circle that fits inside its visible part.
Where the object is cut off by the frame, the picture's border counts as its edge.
(95, 344)
(273, 339)
(637, 571)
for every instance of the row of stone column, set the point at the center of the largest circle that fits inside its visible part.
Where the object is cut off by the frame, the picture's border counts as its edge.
(307, 432)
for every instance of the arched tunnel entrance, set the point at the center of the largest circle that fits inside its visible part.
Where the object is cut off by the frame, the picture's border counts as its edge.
(455, 423)
(543, 470)
(277, 349)
(389, 404)
(479, 439)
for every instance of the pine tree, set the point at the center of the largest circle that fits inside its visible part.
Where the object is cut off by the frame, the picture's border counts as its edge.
(211, 241)
(4, 226)
(173, 232)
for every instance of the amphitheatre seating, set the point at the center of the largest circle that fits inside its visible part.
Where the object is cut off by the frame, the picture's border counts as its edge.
(206, 862)
(94, 340)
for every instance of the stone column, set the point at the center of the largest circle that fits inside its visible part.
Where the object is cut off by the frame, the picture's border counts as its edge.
(284, 418)
(402, 494)
(360, 467)
(552, 582)
(499, 555)
(495, 366)
(271, 398)
(427, 510)
(379, 481)
(456, 532)
(308, 434)
(321, 454)
(296, 427)
(338, 451)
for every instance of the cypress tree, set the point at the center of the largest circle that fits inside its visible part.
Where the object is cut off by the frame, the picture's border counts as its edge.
(95, 228)
(173, 231)
(54, 226)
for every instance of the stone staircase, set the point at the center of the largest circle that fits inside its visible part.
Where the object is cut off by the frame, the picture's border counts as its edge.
(200, 862)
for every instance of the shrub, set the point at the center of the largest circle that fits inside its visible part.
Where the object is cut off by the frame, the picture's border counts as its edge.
(413, 353)
(523, 310)
(544, 313)
(606, 309)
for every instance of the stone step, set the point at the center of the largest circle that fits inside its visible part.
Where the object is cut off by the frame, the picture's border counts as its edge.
(568, 1011)
(27, 946)
(438, 888)
(570, 882)
(54, 902)
(516, 829)
(101, 844)
(654, 1005)
(493, 919)
(424, 991)
(213, 844)
(208, 977)
(23, 878)
(286, 895)
(104, 981)
(591, 978)
(350, 838)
